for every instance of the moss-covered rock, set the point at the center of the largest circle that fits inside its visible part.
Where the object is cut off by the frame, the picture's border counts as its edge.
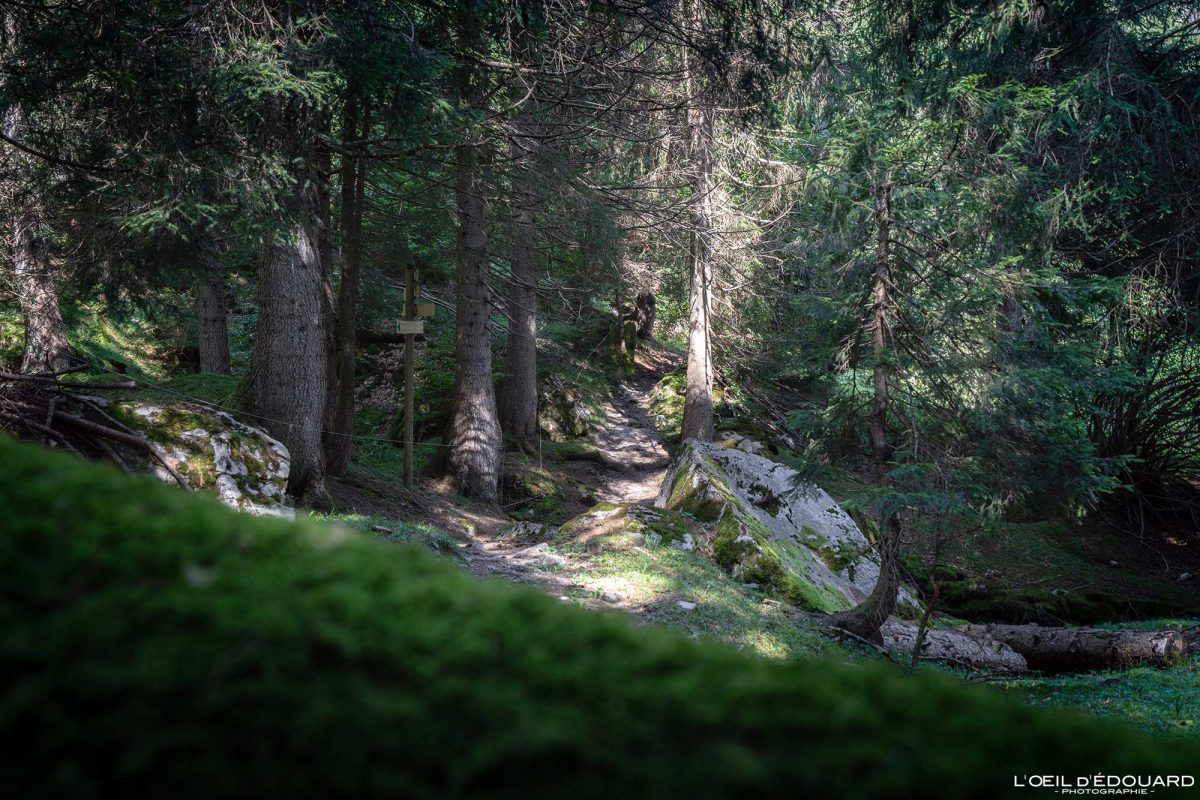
(666, 403)
(157, 645)
(772, 527)
(526, 533)
(241, 464)
(644, 525)
(562, 414)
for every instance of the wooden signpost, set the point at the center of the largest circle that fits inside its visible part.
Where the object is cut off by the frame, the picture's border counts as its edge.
(410, 326)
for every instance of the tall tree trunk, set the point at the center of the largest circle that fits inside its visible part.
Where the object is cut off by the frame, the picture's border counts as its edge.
(697, 404)
(519, 402)
(212, 313)
(474, 429)
(866, 620)
(288, 368)
(322, 169)
(46, 346)
(339, 444)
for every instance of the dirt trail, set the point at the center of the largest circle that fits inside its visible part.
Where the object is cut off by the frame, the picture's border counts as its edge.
(633, 461)
(635, 455)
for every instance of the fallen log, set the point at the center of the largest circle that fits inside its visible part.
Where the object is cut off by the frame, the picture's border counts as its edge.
(952, 645)
(1083, 649)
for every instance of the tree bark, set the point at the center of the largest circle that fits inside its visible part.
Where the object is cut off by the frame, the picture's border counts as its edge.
(1082, 649)
(865, 620)
(340, 444)
(288, 369)
(474, 439)
(46, 346)
(519, 399)
(213, 317)
(697, 404)
(645, 311)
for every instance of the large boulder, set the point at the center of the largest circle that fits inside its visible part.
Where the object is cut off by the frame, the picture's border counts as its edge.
(210, 450)
(774, 528)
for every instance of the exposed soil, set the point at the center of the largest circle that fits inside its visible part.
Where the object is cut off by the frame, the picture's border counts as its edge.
(633, 460)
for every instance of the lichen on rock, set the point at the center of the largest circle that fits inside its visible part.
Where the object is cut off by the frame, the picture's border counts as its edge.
(213, 451)
(773, 528)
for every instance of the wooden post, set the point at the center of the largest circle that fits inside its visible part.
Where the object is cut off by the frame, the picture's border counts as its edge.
(410, 300)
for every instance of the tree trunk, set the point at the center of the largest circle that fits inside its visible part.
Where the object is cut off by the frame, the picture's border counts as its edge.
(340, 444)
(697, 404)
(287, 381)
(866, 620)
(1082, 649)
(519, 404)
(46, 346)
(214, 329)
(474, 458)
(645, 311)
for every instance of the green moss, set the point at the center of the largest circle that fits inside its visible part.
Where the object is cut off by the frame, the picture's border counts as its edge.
(578, 523)
(204, 386)
(745, 548)
(707, 505)
(669, 525)
(157, 644)
(199, 471)
(763, 497)
(666, 402)
(164, 425)
(571, 450)
(865, 522)
(1156, 700)
(618, 540)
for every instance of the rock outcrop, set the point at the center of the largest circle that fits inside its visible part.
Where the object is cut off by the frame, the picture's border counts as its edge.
(212, 451)
(562, 414)
(773, 528)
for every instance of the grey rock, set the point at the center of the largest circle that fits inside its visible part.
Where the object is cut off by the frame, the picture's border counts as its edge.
(773, 527)
(239, 463)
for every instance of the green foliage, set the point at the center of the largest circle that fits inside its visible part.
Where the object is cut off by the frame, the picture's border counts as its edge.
(203, 653)
(218, 390)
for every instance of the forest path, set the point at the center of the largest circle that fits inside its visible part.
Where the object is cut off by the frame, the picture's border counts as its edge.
(633, 449)
(633, 458)
(633, 461)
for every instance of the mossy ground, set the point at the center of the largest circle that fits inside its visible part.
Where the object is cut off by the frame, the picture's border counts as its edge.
(156, 643)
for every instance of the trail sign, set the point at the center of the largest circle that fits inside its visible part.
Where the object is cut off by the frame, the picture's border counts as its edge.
(409, 327)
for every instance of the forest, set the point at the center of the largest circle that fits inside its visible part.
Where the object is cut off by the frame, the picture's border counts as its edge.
(472, 398)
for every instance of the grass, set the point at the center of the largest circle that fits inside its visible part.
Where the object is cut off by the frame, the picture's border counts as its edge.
(1155, 700)
(655, 581)
(398, 531)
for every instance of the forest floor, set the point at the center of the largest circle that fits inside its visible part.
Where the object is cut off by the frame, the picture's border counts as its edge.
(623, 460)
